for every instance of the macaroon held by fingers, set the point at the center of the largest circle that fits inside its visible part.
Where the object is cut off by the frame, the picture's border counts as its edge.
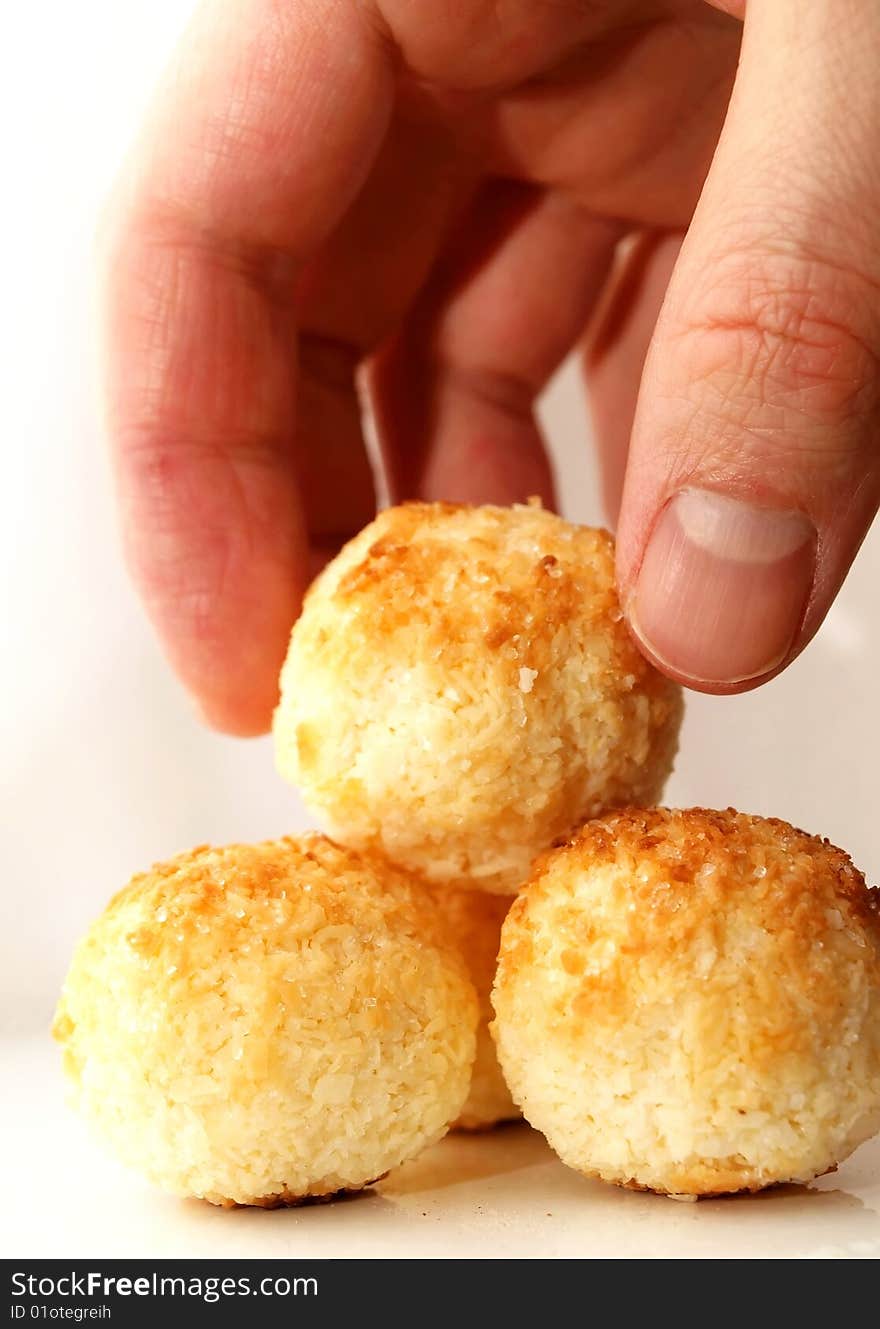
(460, 689)
(428, 196)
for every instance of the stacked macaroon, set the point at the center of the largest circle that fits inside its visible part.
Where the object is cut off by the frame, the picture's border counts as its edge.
(684, 1001)
(264, 1024)
(461, 690)
(689, 1002)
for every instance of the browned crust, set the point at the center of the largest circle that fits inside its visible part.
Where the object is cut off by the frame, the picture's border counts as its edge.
(718, 1190)
(262, 870)
(741, 1188)
(802, 875)
(187, 894)
(713, 826)
(401, 573)
(710, 833)
(286, 1199)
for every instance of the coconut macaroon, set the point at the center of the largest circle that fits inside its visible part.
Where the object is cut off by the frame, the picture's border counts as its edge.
(264, 1023)
(460, 689)
(689, 1002)
(473, 921)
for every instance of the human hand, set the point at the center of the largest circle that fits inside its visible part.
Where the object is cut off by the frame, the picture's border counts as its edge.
(433, 194)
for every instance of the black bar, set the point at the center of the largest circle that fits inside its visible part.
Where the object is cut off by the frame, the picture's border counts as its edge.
(204, 1292)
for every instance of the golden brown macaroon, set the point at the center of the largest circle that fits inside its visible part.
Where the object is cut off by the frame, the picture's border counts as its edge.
(461, 689)
(689, 1002)
(473, 921)
(264, 1023)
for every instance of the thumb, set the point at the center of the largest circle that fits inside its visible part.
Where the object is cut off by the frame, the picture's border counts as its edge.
(754, 467)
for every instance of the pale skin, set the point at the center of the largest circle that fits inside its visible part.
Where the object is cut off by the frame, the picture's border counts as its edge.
(430, 197)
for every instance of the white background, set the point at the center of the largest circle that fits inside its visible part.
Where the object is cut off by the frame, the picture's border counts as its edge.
(105, 767)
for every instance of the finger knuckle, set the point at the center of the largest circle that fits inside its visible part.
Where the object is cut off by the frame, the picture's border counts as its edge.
(791, 334)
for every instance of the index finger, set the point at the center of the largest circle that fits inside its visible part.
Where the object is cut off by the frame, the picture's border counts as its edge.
(263, 134)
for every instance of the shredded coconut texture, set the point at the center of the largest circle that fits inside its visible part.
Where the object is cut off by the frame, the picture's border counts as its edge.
(473, 921)
(689, 1002)
(461, 689)
(260, 1024)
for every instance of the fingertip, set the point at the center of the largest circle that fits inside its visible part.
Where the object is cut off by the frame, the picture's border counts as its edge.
(233, 687)
(234, 684)
(709, 687)
(238, 716)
